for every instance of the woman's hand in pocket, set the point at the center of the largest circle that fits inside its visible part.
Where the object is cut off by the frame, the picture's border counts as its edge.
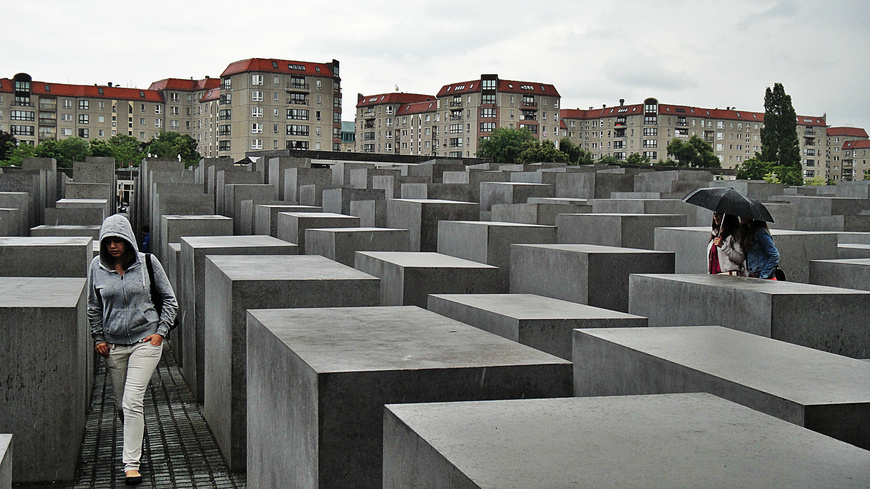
(155, 339)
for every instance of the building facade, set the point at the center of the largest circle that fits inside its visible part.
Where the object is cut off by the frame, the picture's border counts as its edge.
(379, 121)
(845, 152)
(647, 128)
(256, 104)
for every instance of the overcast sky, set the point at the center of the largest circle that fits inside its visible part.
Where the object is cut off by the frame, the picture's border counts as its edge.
(701, 53)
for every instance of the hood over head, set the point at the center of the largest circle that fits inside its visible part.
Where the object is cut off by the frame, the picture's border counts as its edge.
(116, 226)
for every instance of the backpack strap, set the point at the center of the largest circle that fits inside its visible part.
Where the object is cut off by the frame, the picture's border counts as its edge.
(155, 296)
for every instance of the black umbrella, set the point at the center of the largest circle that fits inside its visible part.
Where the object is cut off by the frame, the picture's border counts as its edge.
(728, 201)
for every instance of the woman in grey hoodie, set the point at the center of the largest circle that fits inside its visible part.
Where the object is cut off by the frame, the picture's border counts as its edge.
(126, 328)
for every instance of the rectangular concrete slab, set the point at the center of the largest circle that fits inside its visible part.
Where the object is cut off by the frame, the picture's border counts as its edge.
(846, 274)
(817, 390)
(46, 358)
(586, 274)
(407, 278)
(825, 318)
(674, 440)
(540, 322)
(45, 256)
(191, 293)
(237, 283)
(320, 379)
(266, 216)
(623, 230)
(6, 461)
(341, 244)
(490, 242)
(292, 225)
(421, 217)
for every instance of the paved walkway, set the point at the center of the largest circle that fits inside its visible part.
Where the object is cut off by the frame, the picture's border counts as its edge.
(179, 451)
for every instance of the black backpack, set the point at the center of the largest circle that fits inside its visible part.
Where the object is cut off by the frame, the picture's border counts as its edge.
(156, 298)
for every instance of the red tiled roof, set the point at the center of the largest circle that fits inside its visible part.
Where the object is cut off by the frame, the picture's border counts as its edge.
(277, 66)
(856, 144)
(5, 85)
(185, 85)
(213, 94)
(394, 98)
(855, 132)
(94, 91)
(510, 86)
(417, 108)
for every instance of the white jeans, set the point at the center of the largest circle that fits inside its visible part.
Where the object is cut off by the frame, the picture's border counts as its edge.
(130, 368)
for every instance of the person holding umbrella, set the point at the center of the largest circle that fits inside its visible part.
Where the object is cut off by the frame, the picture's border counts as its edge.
(725, 252)
(762, 257)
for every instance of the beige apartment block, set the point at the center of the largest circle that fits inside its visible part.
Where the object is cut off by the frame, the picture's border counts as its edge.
(647, 128)
(183, 112)
(267, 104)
(382, 119)
(846, 153)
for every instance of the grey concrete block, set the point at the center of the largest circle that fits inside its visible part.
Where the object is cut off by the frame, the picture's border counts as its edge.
(174, 227)
(851, 237)
(847, 251)
(844, 273)
(642, 206)
(239, 283)
(825, 318)
(474, 177)
(757, 189)
(278, 167)
(589, 185)
(47, 370)
(820, 391)
(362, 178)
(10, 222)
(192, 204)
(49, 166)
(74, 216)
(535, 212)
(408, 278)
(421, 217)
(45, 256)
(586, 274)
(341, 171)
(337, 200)
(445, 191)
(371, 213)
(21, 201)
(191, 292)
(6, 461)
(92, 232)
(292, 225)
(511, 193)
(846, 223)
(490, 242)
(266, 216)
(337, 368)
(620, 230)
(341, 244)
(673, 440)
(796, 249)
(32, 183)
(102, 204)
(392, 185)
(533, 320)
(234, 194)
(230, 177)
(560, 200)
(294, 178)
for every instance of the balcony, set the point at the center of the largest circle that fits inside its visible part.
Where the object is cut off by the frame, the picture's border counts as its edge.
(47, 122)
(455, 117)
(297, 87)
(531, 105)
(528, 118)
(369, 125)
(456, 104)
(368, 114)
(809, 132)
(49, 105)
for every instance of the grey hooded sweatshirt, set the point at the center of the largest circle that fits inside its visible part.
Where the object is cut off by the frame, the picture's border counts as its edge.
(120, 310)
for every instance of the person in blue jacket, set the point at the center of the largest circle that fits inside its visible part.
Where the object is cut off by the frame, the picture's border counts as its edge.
(762, 257)
(126, 328)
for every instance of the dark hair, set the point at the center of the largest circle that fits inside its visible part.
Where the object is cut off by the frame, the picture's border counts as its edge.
(730, 227)
(129, 255)
(749, 233)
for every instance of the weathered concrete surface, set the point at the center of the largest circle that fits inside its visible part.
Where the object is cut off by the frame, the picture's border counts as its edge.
(6, 461)
(92, 232)
(847, 251)
(337, 200)
(341, 244)
(674, 440)
(336, 369)
(586, 274)
(796, 249)
(278, 167)
(292, 225)
(825, 318)
(238, 283)
(844, 273)
(535, 212)
(174, 227)
(540, 322)
(371, 213)
(817, 390)
(620, 230)
(20, 201)
(266, 216)
(408, 278)
(294, 178)
(191, 293)
(74, 217)
(421, 217)
(593, 185)
(47, 371)
(511, 193)
(490, 242)
(45, 256)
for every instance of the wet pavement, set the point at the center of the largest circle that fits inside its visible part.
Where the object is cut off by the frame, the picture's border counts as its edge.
(179, 449)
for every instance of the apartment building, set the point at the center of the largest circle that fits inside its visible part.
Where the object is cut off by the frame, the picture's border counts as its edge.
(647, 128)
(277, 104)
(256, 104)
(35, 111)
(452, 122)
(845, 152)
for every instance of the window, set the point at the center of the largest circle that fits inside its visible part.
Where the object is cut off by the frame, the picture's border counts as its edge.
(84, 104)
(158, 122)
(487, 113)
(651, 155)
(720, 147)
(21, 115)
(158, 109)
(257, 128)
(67, 103)
(256, 95)
(455, 128)
(224, 130)
(487, 99)
(319, 99)
(66, 131)
(487, 126)
(297, 98)
(102, 105)
(66, 117)
(256, 112)
(297, 114)
(650, 143)
(297, 130)
(224, 114)
(257, 80)
(487, 84)
(223, 145)
(173, 110)
(83, 118)
(650, 131)
(650, 119)
(84, 133)
(173, 124)
(256, 144)
(22, 130)
(531, 127)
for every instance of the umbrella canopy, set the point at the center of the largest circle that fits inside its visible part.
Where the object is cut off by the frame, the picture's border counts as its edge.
(728, 201)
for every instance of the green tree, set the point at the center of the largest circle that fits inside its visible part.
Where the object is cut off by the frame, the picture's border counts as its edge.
(7, 145)
(693, 153)
(779, 140)
(754, 169)
(71, 150)
(171, 145)
(635, 159)
(20, 152)
(100, 147)
(544, 151)
(504, 145)
(126, 150)
(576, 154)
(607, 160)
